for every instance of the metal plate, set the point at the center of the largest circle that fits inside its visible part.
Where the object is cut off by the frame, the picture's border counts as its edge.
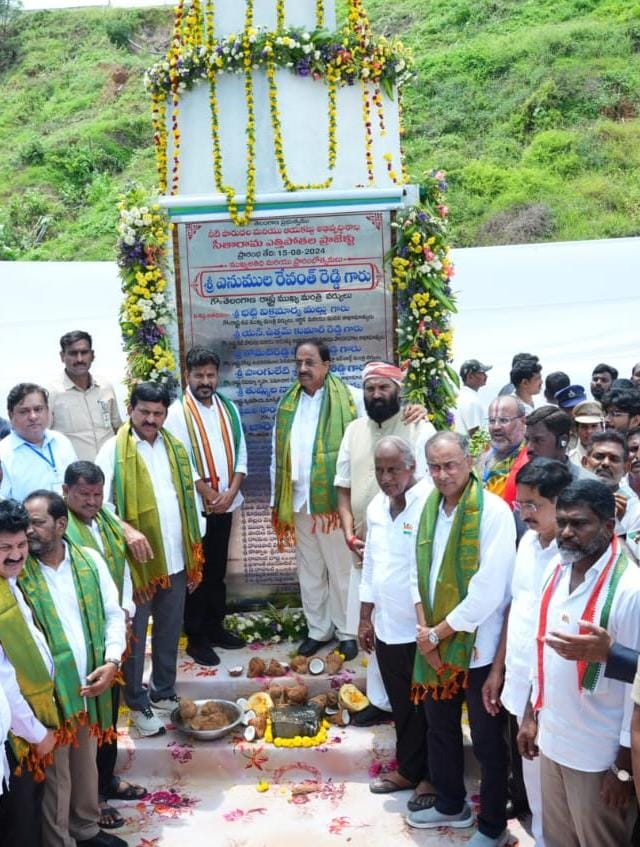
(232, 709)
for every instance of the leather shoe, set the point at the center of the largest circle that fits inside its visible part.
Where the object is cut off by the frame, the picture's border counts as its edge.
(348, 648)
(203, 654)
(103, 839)
(228, 640)
(310, 646)
(370, 716)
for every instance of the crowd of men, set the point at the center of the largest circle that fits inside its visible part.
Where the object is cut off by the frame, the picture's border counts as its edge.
(506, 579)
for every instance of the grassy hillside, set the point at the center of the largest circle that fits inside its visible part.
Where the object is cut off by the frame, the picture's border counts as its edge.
(530, 105)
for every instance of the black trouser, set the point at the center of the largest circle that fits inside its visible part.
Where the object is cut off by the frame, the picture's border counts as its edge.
(205, 609)
(446, 754)
(108, 751)
(396, 668)
(21, 808)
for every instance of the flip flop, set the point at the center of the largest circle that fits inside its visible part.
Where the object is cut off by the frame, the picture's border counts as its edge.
(418, 802)
(384, 785)
(131, 792)
(110, 818)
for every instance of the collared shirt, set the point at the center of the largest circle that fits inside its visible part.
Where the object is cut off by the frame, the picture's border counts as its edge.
(156, 460)
(303, 436)
(482, 610)
(469, 412)
(127, 586)
(27, 467)
(578, 729)
(63, 592)
(532, 560)
(87, 417)
(355, 467)
(176, 424)
(15, 715)
(577, 453)
(386, 578)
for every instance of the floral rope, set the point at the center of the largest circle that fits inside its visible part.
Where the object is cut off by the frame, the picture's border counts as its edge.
(421, 274)
(146, 311)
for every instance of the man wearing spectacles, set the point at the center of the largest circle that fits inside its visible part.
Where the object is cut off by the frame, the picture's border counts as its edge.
(506, 428)
(621, 409)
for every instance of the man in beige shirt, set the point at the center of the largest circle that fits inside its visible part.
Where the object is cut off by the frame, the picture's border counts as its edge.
(82, 408)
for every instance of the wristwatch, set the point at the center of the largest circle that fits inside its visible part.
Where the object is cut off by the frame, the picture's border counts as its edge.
(433, 637)
(621, 773)
(115, 662)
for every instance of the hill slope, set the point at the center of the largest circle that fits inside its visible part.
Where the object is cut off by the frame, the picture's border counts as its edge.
(530, 106)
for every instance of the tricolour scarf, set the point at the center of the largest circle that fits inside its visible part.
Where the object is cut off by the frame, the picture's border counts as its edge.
(136, 504)
(337, 410)
(201, 448)
(460, 562)
(495, 477)
(76, 710)
(33, 678)
(588, 673)
(114, 552)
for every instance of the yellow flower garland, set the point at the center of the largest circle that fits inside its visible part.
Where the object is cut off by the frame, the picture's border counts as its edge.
(298, 740)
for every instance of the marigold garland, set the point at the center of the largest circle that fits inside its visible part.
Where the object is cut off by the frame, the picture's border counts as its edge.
(421, 274)
(146, 311)
(341, 59)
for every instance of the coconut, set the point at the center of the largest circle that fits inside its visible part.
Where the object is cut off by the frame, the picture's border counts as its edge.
(352, 698)
(257, 667)
(316, 666)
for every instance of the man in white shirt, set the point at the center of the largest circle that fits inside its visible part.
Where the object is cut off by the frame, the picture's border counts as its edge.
(310, 421)
(82, 407)
(20, 795)
(583, 719)
(607, 457)
(526, 378)
(32, 456)
(385, 589)
(149, 478)
(462, 568)
(70, 805)
(356, 484)
(470, 412)
(538, 485)
(208, 424)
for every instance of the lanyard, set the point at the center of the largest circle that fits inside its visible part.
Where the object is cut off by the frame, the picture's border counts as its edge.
(50, 461)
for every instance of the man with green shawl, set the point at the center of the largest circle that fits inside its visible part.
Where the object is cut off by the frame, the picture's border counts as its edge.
(93, 525)
(149, 479)
(75, 602)
(31, 713)
(310, 421)
(464, 559)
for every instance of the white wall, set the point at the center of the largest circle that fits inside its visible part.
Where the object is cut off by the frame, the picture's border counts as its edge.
(573, 304)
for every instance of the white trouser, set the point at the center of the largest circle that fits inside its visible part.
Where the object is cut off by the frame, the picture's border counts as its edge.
(324, 565)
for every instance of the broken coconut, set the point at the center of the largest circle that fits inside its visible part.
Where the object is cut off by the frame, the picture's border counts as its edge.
(352, 698)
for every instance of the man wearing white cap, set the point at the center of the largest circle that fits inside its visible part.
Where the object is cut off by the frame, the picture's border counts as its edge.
(470, 412)
(357, 485)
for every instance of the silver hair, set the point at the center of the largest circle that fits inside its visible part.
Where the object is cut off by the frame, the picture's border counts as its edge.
(401, 445)
(452, 437)
(520, 407)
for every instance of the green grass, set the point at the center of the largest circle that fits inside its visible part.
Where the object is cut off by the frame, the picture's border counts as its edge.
(529, 105)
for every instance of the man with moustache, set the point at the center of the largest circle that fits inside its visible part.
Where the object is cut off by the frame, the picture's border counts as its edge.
(607, 458)
(464, 558)
(538, 485)
(547, 435)
(84, 408)
(75, 602)
(579, 724)
(31, 712)
(32, 456)
(311, 419)
(356, 484)
(149, 478)
(602, 377)
(588, 420)
(469, 412)
(209, 425)
(507, 452)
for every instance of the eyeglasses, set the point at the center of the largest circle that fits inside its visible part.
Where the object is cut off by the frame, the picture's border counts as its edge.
(616, 414)
(525, 507)
(503, 420)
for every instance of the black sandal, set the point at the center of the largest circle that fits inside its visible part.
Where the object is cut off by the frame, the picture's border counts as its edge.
(131, 792)
(110, 818)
